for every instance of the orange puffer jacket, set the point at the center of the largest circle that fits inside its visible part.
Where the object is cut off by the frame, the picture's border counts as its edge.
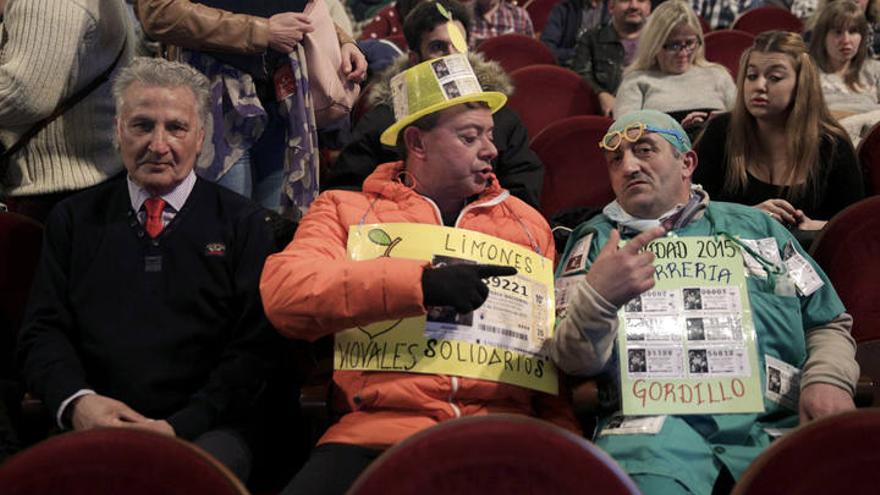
(312, 289)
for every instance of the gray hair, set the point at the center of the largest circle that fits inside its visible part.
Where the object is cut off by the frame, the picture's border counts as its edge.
(164, 74)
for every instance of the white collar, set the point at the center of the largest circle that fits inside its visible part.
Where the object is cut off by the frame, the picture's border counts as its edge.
(175, 198)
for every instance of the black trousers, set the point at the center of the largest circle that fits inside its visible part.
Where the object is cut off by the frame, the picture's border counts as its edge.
(230, 448)
(331, 470)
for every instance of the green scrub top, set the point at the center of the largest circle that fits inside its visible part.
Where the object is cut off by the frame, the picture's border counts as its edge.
(692, 448)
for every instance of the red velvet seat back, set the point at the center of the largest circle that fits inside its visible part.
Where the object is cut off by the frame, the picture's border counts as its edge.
(539, 12)
(761, 19)
(834, 455)
(494, 454)
(116, 461)
(515, 51)
(20, 242)
(725, 47)
(704, 25)
(547, 93)
(869, 158)
(574, 166)
(849, 252)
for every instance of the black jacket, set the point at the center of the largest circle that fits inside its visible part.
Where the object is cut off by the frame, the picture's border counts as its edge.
(173, 327)
(563, 26)
(517, 167)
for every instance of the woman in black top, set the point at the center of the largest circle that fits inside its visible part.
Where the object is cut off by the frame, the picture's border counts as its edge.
(779, 149)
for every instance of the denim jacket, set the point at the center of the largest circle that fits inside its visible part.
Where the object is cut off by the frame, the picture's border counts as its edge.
(598, 58)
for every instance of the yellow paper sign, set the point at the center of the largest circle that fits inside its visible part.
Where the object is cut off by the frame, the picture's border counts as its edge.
(688, 346)
(503, 340)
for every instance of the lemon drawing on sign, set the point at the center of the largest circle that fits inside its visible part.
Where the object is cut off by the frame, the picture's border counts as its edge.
(381, 238)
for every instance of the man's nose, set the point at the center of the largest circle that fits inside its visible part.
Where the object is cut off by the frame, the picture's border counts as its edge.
(159, 141)
(488, 152)
(629, 164)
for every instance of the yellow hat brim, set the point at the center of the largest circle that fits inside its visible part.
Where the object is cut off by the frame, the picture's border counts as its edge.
(494, 99)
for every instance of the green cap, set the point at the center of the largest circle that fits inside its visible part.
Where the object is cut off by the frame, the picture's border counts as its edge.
(655, 121)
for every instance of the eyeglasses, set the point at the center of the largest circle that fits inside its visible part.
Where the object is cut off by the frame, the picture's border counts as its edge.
(632, 133)
(677, 46)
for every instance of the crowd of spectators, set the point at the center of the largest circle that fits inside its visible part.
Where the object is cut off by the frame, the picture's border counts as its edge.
(198, 221)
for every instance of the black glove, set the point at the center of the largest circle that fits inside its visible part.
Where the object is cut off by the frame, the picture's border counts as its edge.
(460, 286)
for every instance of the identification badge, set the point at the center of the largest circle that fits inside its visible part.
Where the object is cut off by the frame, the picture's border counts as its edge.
(767, 249)
(285, 84)
(577, 259)
(565, 287)
(633, 425)
(785, 286)
(801, 271)
(782, 383)
(152, 264)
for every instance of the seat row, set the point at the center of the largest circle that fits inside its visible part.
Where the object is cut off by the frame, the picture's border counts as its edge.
(473, 455)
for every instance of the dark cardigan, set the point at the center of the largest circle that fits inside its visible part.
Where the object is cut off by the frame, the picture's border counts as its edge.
(173, 327)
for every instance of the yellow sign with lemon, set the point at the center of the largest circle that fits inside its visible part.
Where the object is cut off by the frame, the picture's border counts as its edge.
(502, 340)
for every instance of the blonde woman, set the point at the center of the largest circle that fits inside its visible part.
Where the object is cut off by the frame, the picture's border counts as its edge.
(780, 149)
(670, 72)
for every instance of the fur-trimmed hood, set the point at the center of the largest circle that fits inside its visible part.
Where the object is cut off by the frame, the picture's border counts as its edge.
(490, 74)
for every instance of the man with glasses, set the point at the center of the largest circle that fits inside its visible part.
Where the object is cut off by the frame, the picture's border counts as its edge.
(602, 53)
(650, 163)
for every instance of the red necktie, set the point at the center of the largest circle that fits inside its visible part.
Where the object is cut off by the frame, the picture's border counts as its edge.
(154, 207)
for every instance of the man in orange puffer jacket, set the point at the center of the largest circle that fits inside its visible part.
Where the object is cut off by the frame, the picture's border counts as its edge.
(313, 289)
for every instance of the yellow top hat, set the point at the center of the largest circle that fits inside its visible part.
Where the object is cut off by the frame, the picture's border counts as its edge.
(432, 86)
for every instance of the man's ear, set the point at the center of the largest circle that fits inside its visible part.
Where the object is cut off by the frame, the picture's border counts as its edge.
(201, 141)
(415, 145)
(689, 164)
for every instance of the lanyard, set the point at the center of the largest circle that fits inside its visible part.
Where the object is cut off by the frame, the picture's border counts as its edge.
(773, 270)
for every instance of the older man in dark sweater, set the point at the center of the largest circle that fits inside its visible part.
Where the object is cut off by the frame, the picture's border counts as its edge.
(145, 311)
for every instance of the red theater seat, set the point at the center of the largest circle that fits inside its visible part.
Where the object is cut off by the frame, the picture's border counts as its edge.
(836, 454)
(848, 249)
(726, 46)
(515, 51)
(574, 165)
(539, 12)
(114, 461)
(494, 454)
(20, 241)
(548, 93)
(869, 157)
(761, 19)
(704, 25)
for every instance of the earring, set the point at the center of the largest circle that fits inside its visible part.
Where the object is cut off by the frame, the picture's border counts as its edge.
(406, 178)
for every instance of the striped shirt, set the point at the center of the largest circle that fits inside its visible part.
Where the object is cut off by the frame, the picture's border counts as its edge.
(506, 18)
